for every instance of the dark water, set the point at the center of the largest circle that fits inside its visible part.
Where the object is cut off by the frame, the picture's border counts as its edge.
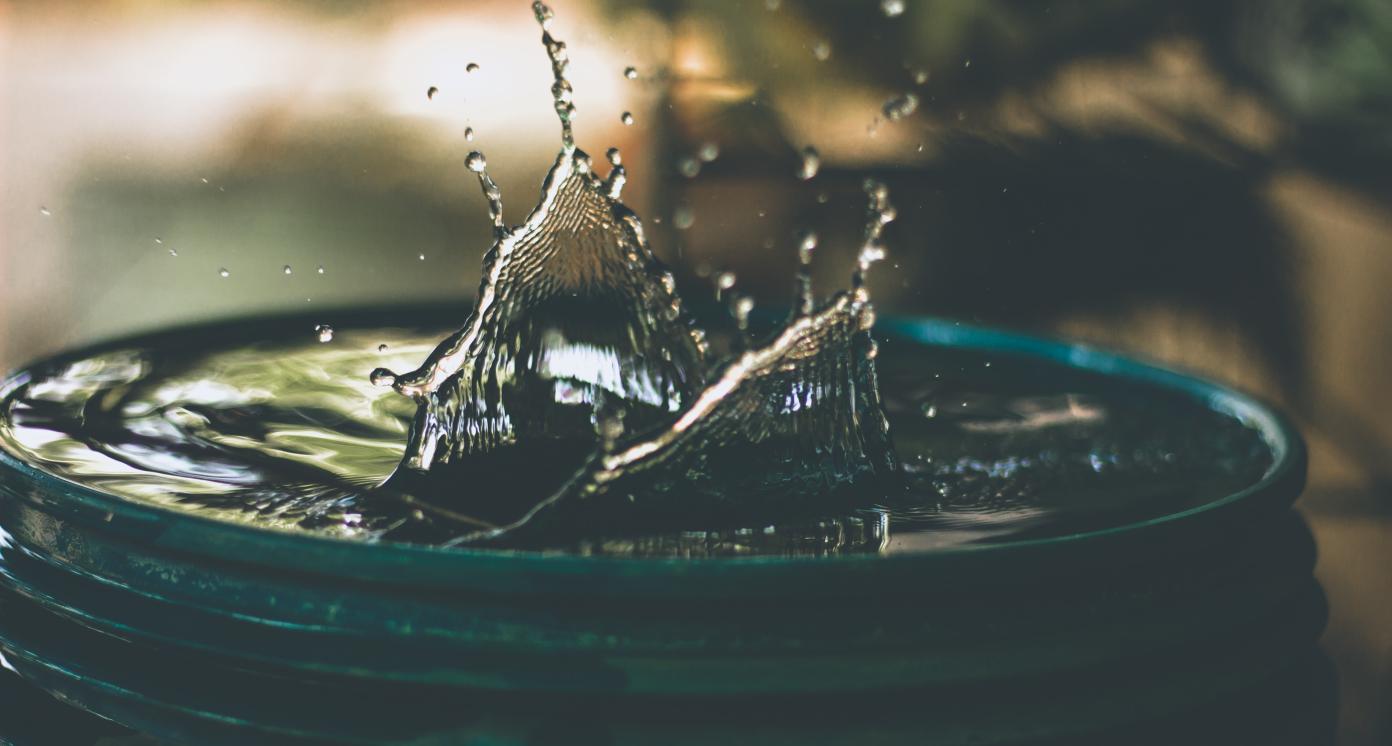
(275, 429)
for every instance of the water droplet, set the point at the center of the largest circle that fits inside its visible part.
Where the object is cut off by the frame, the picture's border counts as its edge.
(900, 106)
(382, 376)
(158, 240)
(626, 118)
(469, 134)
(45, 211)
(806, 246)
(811, 163)
(224, 272)
(430, 92)
(471, 68)
(892, 8)
(382, 347)
(773, 4)
(287, 269)
(823, 198)
(709, 152)
(631, 72)
(421, 257)
(683, 217)
(725, 280)
(967, 63)
(324, 332)
(689, 167)
(475, 162)
(822, 51)
(173, 252)
(743, 306)
(920, 77)
(614, 156)
(205, 180)
(319, 269)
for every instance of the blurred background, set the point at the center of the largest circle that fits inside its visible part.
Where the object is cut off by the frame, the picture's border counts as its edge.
(1202, 182)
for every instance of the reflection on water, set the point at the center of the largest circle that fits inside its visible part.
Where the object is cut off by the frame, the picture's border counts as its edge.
(287, 433)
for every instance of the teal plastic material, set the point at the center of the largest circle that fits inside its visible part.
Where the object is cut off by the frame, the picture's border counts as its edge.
(202, 631)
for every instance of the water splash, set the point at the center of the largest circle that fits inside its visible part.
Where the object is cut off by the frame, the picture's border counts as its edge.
(579, 348)
(804, 406)
(573, 309)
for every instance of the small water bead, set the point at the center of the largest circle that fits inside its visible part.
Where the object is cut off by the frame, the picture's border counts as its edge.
(471, 68)
(709, 152)
(920, 77)
(626, 118)
(806, 245)
(773, 4)
(900, 106)
(324, 332)
(173, 252)
(631, 72)
(382, 347)
(689, 167)
(469, 134)
(44, 211)
(742, 307)
(683, 217)
(811, 163)
(724, 281)
(319, 269)
(430, 93)
(158, 240)
(614, 156)
(892, 8)
(286, 269)
(967, 63)
(543, 14)
(822, 51)
(475, 162)
(224, 272)
(204, 180)
(421, 257)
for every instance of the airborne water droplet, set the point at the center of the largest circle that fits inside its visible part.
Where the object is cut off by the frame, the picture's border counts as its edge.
(822, 51)
(469, 134)
(45, 211)
(900, 106)
(224, 272)
(475, 162)
(920, 77)
(471, 68)
(892, 8)
(382, 347)
(811, 163)
(709, 152)
(430, 92)
(319, 269)
(626, 118)
(689, 167)
(287, 269)
(683, 217)
(173, 252)
(421, 257)
(159, 240)
(324, 332)
(631, 72)
(614, 156)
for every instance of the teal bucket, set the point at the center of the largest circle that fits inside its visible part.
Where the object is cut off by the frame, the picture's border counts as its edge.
(205, 632)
